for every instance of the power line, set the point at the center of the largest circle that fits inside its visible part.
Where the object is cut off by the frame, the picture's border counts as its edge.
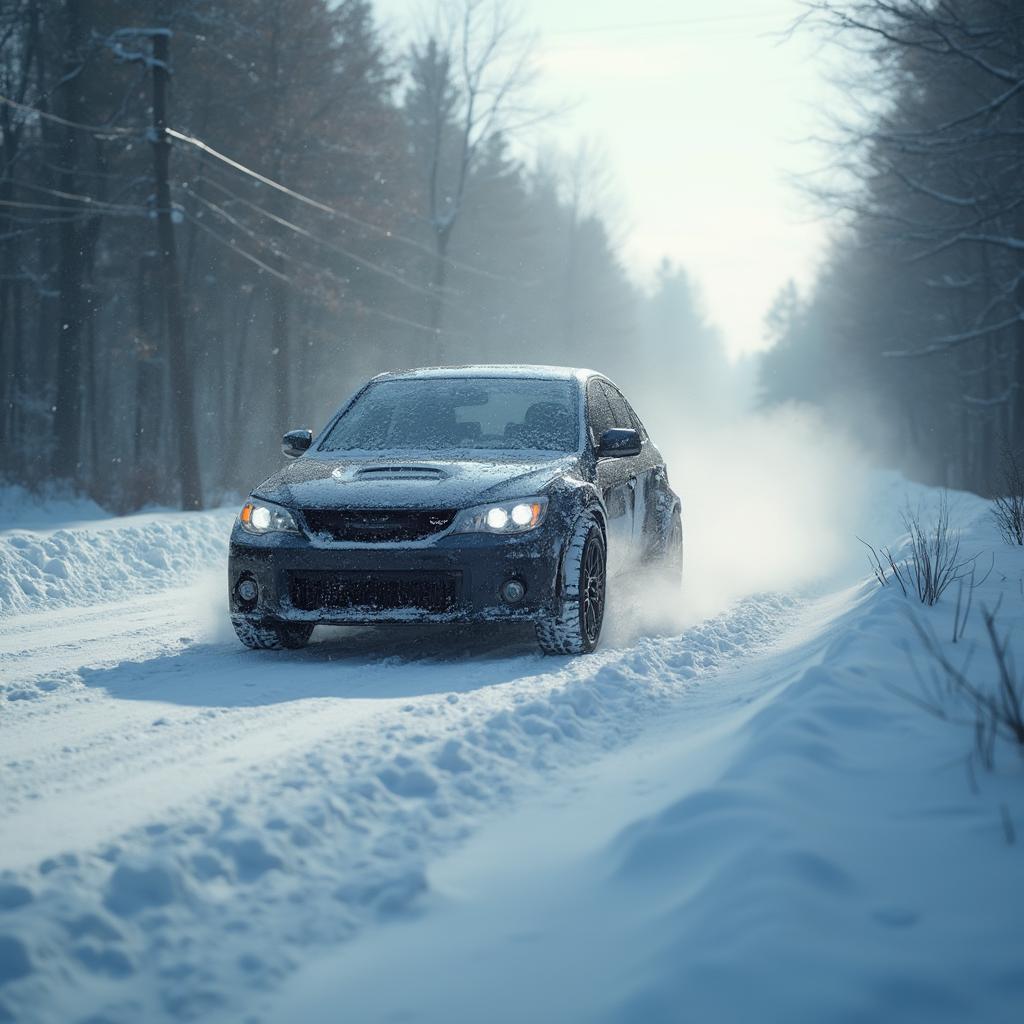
(316, 204)
(92, 205)
(241, 252)
(91, 200)
(263, 179)
(265, 243)
(109, 132)
(95, 207)
(37, 223)
(360, 261)
(395, 318)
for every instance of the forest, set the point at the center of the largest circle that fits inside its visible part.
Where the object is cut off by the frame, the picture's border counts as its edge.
(217, 217)
(913, 336)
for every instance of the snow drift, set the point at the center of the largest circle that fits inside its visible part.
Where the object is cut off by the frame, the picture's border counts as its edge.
(742, 814)
(817, 850)
(108, 559)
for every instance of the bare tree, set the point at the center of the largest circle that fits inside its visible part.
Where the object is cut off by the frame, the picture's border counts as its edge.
(936, 157)
(469, 79)
(19, 52)
(587, 187)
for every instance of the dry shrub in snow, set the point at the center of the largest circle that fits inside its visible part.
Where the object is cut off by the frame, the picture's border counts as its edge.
(994, 712)
(1008, 508)
(933, 563)
(885, 566)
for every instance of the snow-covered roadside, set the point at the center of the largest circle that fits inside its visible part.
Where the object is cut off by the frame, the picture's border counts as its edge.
(184, 821)
(822, 851)
(185, 824)
(107, 559)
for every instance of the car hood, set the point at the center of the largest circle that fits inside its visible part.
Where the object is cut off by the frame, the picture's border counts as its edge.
(316, 481)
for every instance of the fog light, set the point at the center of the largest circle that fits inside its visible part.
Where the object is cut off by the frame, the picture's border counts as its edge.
(247, 591)
(512, 591)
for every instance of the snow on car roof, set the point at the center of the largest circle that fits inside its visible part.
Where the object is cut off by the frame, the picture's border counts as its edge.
(492, 370)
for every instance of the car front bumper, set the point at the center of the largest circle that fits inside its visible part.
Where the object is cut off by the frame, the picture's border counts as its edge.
(450, 578)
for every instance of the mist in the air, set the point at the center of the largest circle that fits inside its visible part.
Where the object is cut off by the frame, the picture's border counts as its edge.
(770, 493)
(771, 501)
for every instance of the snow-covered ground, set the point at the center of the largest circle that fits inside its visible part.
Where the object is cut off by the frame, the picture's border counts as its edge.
(792, 841)
(728, 813)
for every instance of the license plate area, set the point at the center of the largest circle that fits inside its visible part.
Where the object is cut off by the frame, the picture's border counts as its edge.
(376, 590)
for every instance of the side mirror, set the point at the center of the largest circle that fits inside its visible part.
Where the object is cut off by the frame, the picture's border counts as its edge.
(619, 442)
(295, 442)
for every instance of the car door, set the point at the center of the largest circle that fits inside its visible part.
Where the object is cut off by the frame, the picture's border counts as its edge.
(651, 482)
(613, 479)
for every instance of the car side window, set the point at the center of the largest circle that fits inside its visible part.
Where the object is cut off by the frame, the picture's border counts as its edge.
(637, 424)
(599, 415)
(619, 409)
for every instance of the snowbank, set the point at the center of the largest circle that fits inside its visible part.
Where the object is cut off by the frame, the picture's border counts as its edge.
(105, 560)
(825, 852)
(748, 819)
(280, 803)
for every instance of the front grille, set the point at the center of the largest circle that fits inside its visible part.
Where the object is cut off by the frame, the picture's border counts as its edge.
(370, 525)
(429, 591)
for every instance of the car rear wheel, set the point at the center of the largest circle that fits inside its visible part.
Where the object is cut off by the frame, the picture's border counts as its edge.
(576, 628)
(671, 566)
(261, 635)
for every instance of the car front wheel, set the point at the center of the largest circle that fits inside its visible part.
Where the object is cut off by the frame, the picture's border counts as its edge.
(576, 627)
(262, 635)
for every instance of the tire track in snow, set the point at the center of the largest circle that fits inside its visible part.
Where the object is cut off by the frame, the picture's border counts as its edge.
(329, 784)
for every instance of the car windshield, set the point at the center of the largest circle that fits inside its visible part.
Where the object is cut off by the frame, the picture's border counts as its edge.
(478, 413)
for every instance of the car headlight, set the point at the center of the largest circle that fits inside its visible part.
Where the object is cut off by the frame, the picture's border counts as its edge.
(517, 516)
(264, 517)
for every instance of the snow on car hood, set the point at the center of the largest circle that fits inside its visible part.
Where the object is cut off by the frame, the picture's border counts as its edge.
(319, 481)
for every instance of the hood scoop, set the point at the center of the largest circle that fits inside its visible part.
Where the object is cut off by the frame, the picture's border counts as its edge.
(399, 473)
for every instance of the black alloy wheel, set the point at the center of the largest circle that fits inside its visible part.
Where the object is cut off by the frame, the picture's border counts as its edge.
(592, 589)
(573, 626)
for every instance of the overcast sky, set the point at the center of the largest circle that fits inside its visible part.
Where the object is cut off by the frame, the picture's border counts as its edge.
(701, 112)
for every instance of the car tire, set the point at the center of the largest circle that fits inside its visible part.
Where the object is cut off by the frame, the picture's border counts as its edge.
(260, 635)
(576, 626)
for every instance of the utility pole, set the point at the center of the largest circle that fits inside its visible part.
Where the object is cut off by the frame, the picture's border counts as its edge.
(179, 365)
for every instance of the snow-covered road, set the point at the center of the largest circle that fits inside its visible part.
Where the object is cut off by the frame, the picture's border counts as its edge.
(166, 793)
(193, 831)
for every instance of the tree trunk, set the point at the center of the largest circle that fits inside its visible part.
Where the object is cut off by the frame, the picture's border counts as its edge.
(437, 286)
(1017, 339)
(233, 411)
(8, 296)
(280, 375)
(68, 406)
(149, 393)
(1017, 332)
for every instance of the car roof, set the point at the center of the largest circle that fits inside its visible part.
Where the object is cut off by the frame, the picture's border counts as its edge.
(522, 370)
